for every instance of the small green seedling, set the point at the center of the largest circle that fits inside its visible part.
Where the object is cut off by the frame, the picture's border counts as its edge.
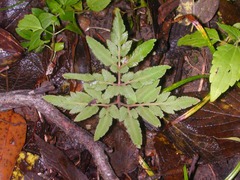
(40, 28)
(116, 92)
(185, 172)
(225, 70)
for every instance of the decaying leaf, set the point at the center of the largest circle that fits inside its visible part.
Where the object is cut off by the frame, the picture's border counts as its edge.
(204, 10)
(10, 49)
(55, 159)
(204, 132)
(12, 138)
(124, 158)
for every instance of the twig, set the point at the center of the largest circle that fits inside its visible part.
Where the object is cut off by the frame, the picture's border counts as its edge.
(203, 69)
(193, 165)
(22, 98)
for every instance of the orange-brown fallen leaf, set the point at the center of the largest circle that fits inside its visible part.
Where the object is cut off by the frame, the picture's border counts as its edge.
(12, 137)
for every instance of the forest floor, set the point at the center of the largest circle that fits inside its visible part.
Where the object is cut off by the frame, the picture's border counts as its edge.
(66, 150)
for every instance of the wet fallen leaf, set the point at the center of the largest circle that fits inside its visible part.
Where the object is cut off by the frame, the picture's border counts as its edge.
(10, 49)
(229, 6)
(23, 74)
(124, 158)
(171, 160)
(165, 9)
(12, 138)
(203, 134)
(56, 159)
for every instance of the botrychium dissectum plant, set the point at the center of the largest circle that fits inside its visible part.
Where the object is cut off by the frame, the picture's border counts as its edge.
(118, 93)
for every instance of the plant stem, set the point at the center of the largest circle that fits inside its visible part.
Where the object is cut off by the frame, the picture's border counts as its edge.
(137, 105)
(184, 81)
(119, 74)
(99, 28)
(200, 28)
(235, 171)
(58, 32)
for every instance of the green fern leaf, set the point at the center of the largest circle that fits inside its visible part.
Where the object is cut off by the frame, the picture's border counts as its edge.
(148, 93)
(128, 92)
(87, 112)
(111, 91)
(114, 111)
(70, 102)
(140, 53)
(163, 97)
(117, 34)
(133, 128)
(108, 77)
(81, 77)
(101, 53)
(127, 77)
(125, 48)
(148, 115)
(112, 48)
(103, 125)
(92, 92)
(149, 75)
(157, 111)
(173, 103)
(123, 112)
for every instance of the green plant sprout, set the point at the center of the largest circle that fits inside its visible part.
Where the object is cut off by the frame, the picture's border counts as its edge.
(185, 172)
(40, 28)
(225, 70)
(234, 172)
(116, 92)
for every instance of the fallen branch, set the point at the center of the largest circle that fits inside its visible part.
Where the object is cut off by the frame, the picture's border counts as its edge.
(23, 98)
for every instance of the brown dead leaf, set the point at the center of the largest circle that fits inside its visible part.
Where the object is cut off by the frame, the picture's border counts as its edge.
(165, 9)
(11, 50)
(170, 158)
(229, 6)
(53, 158)
(201, 134)
(124, 158)
(12, 137)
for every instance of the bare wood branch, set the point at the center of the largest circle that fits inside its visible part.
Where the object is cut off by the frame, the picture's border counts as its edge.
(22, 98)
